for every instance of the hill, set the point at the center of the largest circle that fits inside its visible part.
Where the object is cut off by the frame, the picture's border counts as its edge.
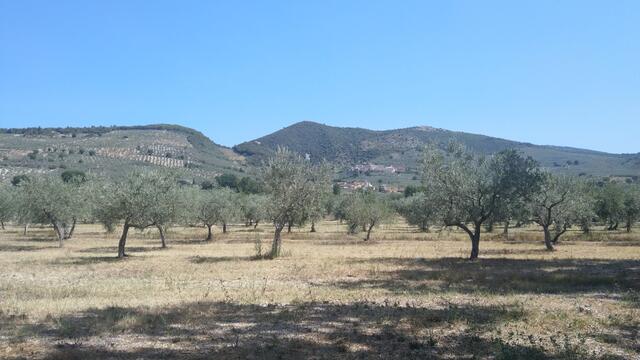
(390, 156)
(401, 148)
(111, 151)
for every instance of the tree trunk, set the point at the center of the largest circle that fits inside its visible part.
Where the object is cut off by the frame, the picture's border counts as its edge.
(123, 241)
(59, 229)
(162, 238)
(313, 226)
(585, 227)
(506, 230)
(69, 234)
(255, 225)
(26, 226)
(209, 233)
(628, 225)
(369, 231)
(547, 238)
(475, 244)
(224, 227)
(557, 236)
(424, 227)
(2, 225)
(276, 246)
(289, 228)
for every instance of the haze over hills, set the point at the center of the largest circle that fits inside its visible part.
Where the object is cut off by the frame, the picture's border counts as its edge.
(111, 151)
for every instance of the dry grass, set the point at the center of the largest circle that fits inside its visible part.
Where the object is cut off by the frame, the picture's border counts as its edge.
(403, 295)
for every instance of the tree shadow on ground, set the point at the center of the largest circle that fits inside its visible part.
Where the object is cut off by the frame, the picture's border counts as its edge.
(114, 249)
(502, 276)
(218, 259)
(87, 260)
(520, 252)
(620, 243)
(45, 239)
(308, 330)
(19, 248)
(191, 241)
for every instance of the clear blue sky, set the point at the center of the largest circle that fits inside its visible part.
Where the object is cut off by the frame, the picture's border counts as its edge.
(547, 72)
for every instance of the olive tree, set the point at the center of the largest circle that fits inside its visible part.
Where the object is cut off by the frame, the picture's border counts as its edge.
(556, 206)
(418, 210)
(367, 209)
(50, 200)
(253, 208)
(22, 211)
(631, 206)
(585, 206)
(515, 209)
(321, 206)
(212, 207)
(6, 204)
(610, 205)
(293, 184)
(138, 200)
(169, 202)
(201, 210)
(468, 190)
(228, 206)
(341, 202)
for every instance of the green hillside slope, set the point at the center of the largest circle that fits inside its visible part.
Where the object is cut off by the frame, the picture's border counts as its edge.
(402, 148)
(112, 151)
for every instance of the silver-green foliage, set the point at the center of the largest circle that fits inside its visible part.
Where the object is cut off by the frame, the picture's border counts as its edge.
(467, 190)
(559, 204)
(631, 206)
(417, 210)
(50, 200)
(140, 200)
(253, 208)
(293, 185)
(366, 209)
(212, 207)
(7, 204)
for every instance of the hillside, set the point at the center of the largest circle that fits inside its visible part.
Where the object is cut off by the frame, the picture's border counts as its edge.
(112, 151)
(401, 148)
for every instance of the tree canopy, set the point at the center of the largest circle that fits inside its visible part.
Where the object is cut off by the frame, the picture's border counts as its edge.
(468, 189)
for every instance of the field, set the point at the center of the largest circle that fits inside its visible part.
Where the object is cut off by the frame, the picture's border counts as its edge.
(402, 295)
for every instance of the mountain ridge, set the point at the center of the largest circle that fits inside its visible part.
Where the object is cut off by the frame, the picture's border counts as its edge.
(119, 147)
(354, 145)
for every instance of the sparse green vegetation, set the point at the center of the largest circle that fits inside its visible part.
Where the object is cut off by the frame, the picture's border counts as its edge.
(403, 148)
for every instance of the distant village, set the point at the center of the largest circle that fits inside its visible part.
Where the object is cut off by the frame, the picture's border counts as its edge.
(370, 169)
(389, 169)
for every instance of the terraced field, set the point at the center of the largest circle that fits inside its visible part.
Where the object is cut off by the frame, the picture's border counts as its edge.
(111, 153)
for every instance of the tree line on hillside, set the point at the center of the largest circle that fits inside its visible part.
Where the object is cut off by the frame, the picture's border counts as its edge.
(459, 189)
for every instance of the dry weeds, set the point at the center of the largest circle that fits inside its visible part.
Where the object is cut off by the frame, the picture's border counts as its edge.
(403, 295)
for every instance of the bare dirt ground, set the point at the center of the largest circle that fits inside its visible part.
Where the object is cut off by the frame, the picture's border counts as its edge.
(402, 295)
